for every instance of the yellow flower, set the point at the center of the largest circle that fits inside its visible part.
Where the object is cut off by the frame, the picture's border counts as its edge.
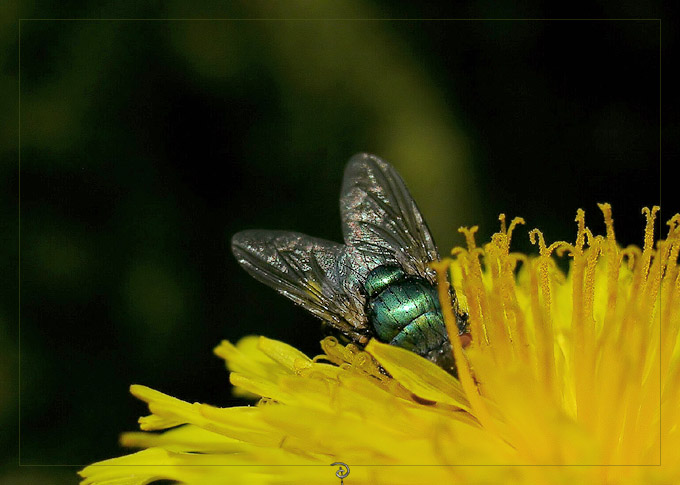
(579, 369)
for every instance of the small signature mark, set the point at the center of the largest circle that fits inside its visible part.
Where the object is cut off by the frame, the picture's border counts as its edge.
(342, 471)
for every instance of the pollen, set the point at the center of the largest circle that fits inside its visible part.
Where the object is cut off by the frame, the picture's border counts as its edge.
(565, 377)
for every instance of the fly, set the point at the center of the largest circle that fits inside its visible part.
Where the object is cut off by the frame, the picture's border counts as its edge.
(376, 285)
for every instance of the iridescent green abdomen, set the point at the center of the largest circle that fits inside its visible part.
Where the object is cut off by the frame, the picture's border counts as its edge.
(404, 311)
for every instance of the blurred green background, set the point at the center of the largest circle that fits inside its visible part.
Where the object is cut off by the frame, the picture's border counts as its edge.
(146, 144)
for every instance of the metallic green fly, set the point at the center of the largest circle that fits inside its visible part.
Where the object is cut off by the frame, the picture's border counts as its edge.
(378, 284)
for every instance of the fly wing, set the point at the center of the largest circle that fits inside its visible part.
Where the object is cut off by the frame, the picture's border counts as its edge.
(316, 274)
(381, 218)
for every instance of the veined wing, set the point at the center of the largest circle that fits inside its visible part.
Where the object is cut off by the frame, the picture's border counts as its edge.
(380, 216)
(309, 271)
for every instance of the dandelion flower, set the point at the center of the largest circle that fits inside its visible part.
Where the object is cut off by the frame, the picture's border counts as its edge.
(578, 369)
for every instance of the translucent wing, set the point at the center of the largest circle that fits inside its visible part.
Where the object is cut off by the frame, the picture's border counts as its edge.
(380, 217)
(321, 276)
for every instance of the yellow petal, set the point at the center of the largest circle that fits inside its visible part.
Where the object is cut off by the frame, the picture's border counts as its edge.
(419, 375)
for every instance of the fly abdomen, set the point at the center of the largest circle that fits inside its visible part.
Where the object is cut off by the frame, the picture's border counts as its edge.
(404, 310)
(425, 333)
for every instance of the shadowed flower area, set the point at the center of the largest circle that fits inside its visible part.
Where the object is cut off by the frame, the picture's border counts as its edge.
(563, 369)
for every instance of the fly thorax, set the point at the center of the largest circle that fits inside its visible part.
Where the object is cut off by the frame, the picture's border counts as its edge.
(381, 277)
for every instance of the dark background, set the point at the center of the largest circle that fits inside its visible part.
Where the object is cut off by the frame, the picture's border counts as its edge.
(145, 145)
